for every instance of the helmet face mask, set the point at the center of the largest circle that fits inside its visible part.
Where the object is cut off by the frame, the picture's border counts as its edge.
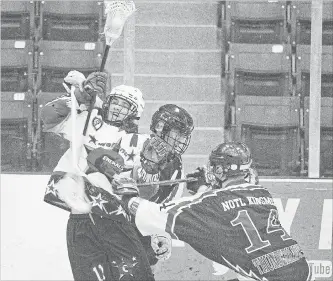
(230, 159)
(155, 155)
(173, 125)
(123, 103)
(119, 109)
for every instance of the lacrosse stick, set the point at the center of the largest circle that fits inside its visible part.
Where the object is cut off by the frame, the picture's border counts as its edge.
(116, 12)
(166, 182)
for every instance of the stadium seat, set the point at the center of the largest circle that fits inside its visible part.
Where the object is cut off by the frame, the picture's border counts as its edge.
(326, 84)
(14, 79)
(57, 58)
(301, 22)
(256, 22)
(16, 64)
(303, 70)
(15, 20)
(259, 70)
(269, 125)
(72, 21)
(14, 140)
(326, 134)
(52, 78)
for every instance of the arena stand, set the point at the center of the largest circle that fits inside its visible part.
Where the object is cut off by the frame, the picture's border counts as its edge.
(226, 62)
(242, 73)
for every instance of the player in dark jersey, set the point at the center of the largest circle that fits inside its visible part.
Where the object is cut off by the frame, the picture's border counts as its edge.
(157, 157)
(229, 220)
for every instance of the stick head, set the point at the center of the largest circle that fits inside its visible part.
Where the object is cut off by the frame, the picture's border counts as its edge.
(116, 13)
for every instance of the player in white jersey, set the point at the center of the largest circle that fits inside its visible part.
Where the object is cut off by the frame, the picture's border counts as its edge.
(107, 247)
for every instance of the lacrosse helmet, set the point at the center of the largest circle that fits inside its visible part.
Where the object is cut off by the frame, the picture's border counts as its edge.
(174, 126)
(122, 103)
(230, 159)
(171, 126)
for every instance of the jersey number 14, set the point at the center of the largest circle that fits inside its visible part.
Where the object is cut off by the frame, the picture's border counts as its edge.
(256, 242)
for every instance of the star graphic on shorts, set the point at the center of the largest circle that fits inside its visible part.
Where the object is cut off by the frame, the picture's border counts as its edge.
(120, 211)
(98, 201)
(92, 139)
(131, 156)
(51, 188)
(125, 268)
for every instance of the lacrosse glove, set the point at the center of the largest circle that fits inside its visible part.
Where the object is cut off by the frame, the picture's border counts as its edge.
(95, 84)
(74, 78)
(201, 174)
(162, 246)
(124, 186)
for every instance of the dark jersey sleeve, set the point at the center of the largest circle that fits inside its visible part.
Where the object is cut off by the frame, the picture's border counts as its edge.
(166, 193)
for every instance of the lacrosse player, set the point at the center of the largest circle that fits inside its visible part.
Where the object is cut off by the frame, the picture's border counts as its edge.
(155, 157)
(229, 220)
(104, 245)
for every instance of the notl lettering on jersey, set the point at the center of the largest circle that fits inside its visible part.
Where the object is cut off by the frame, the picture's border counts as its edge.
(241, 202)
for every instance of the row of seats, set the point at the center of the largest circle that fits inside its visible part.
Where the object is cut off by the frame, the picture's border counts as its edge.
(268, 82)
(251, 69)
(273, 70)
(258, 22)
(274, 22)
(271, 127)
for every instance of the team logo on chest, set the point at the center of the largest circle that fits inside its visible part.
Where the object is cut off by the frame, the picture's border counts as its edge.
(143, 176)
(97, 123)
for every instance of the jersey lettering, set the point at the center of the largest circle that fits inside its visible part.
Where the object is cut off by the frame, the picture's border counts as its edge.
(273, 225)
(99, 271)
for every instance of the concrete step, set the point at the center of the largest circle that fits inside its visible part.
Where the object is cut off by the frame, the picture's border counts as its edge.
(177, 12)
(168, 62)
(204, 114)
(169, 37)
(177, 88)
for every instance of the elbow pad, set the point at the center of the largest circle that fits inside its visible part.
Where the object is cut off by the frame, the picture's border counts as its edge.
(54, 112)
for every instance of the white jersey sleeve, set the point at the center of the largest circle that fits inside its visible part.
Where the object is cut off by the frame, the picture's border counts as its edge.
(150, 219)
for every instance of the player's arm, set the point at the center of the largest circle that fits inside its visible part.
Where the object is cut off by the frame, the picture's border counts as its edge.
(55, 114)
(166, 193)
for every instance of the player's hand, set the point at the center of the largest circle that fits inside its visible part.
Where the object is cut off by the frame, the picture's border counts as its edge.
(124, 186)
(162, 246)
(95, 84)
(75, 78)
(203, 180)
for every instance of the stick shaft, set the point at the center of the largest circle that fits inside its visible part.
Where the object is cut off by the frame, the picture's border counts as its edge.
(166, 182)
(73, 132)
(93, 100)
(105, 56)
